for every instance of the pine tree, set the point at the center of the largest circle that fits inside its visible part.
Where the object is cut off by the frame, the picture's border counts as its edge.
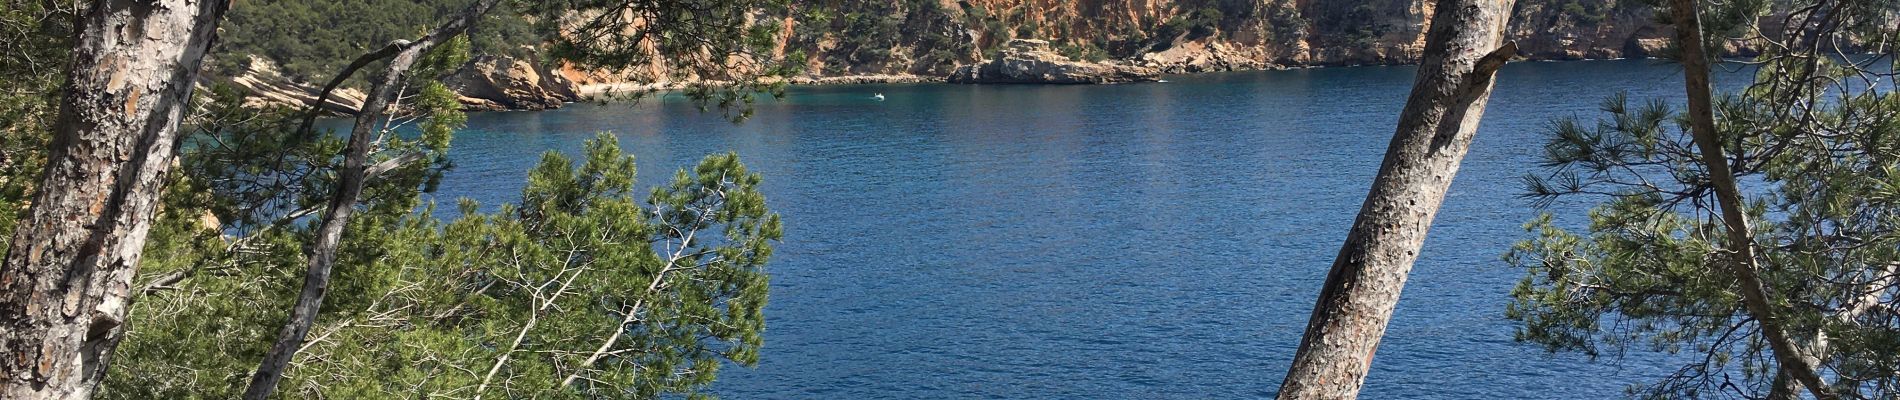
(1809, 151)
(66, 279)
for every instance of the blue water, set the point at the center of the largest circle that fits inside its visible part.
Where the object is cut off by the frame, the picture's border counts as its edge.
(1128, 241)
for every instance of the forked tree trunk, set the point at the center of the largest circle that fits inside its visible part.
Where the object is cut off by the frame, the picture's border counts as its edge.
(1462, 52)
(67, 277)
(1794, 362)
(349, 188)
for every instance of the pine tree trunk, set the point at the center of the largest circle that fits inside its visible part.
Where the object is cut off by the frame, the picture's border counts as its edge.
(67, 277)
(1794, 362)
(1462, 52)
(349, 189)
(322, 254)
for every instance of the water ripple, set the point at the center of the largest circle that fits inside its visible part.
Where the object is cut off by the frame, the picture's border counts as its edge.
(1124, 241)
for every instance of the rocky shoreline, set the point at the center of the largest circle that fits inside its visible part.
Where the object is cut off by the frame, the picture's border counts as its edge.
(492, 83)
(1035, 61)
(1073, 42)
(506, 84)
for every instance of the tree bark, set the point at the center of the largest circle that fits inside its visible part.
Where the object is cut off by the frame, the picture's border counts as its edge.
(1743, 263)
(67, 276)
(349, 189)
(1462, 53)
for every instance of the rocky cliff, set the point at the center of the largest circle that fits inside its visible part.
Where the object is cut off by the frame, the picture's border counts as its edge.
(922, 40)
(935, 36)
(507, 83)
(268, 86)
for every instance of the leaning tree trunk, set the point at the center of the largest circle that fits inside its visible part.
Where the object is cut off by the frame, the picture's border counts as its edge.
(1742, 261)
(68, 272)
(322, 254)
(349, 188)
(1462, 53)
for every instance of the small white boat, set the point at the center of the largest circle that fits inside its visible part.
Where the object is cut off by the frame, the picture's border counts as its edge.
(878, 97)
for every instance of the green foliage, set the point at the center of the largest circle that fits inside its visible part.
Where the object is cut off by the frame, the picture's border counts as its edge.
(1819, 162)
(1204, 22)
(35, 37)
(313, 39)
(663, 291)
(1587, 13)
(717, 42)
(263, 170)
(994, 31)
(254, 163)
(1284, 22)
(1083, 51)
(214, 300)
(867, 33)
(945, 39)
(199, 337)
(1194, 24)
(416, 301)
(1358, 32)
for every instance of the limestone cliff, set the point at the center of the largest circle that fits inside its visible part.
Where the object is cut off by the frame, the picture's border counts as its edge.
(918, 40)
(933, 36)
(506, 83)
(486, 83)
(268, 86)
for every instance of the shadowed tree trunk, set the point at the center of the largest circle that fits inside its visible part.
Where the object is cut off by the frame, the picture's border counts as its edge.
(68, 272)
(1742, 262)
(1462, 52)
(349, 188)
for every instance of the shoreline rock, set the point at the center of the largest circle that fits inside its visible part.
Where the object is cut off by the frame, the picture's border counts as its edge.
(503, 84)
(595, 91)
(268, 86)
(1035, 61)
(506, 83)
(949, 42)
(864, 79)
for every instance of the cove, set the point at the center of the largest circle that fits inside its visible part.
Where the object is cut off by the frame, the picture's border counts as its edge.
(1123, 241)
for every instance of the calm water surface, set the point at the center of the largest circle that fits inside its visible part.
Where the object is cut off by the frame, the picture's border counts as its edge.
(1128, 241)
